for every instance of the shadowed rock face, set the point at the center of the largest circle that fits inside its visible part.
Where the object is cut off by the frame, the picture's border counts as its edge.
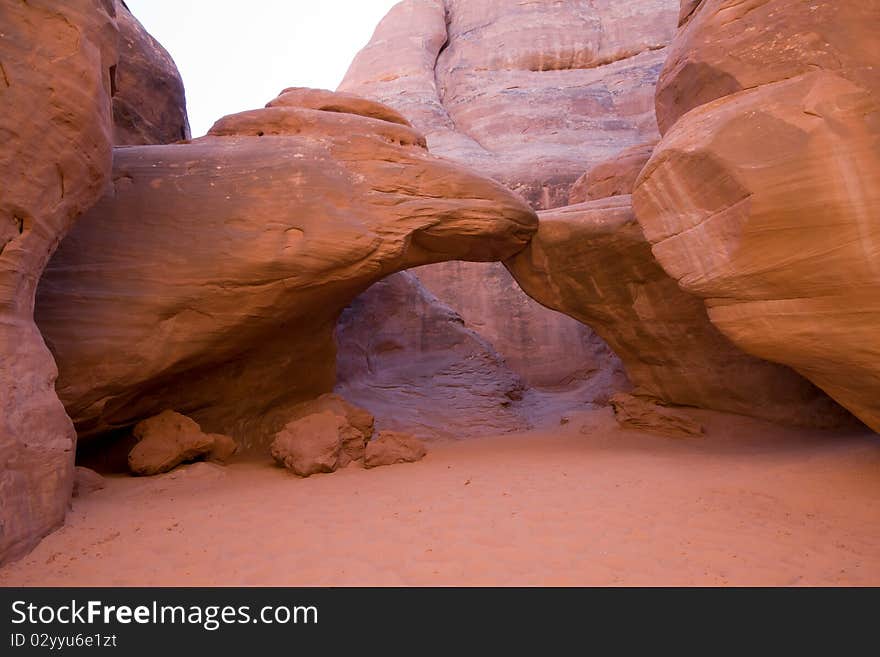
(149, 104)
(209, 278)
(592, 261)
(762, 196)
(55, 83)
(532, 94)
(413, 363)
(547, 350)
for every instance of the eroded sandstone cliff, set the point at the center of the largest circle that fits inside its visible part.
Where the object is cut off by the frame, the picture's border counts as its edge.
(55, 141)
(592, 261)
(535, 94)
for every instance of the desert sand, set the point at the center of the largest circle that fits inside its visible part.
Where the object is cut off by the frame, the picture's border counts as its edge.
(584, 503)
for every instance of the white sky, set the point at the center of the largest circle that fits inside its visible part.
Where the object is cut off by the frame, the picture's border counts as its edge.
(236, 55)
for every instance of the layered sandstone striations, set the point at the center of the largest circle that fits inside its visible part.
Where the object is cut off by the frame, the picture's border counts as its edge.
(149, 104)
(591, 261)
(762, 196)
(532, 94)
(56, 63)
(240, 250)
(613, 177)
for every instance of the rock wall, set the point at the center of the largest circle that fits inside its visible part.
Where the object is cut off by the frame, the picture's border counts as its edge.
(762, 196)
(56, 67)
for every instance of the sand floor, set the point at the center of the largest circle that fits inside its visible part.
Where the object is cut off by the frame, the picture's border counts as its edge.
(585, 503)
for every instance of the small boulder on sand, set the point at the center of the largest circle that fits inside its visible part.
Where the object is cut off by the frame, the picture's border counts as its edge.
(85, 481)
(359, 418)
(633, 412)
(224, 448)
(315, 443)
(169, 439)
(392, 447)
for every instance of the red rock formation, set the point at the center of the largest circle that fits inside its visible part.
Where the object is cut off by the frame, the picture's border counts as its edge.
(531, 94)
(357, 417)
(591, 261)
(728, 46)
(316, 443)
(223, 449)
(762, 196)
(167, 440)
(687, 9)
(56, 62)
(149, 104)
(240, 251)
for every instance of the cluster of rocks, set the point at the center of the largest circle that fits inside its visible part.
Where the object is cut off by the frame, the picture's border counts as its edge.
(324, 442)
(169, 439)
(329, 433)
(321, 436)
